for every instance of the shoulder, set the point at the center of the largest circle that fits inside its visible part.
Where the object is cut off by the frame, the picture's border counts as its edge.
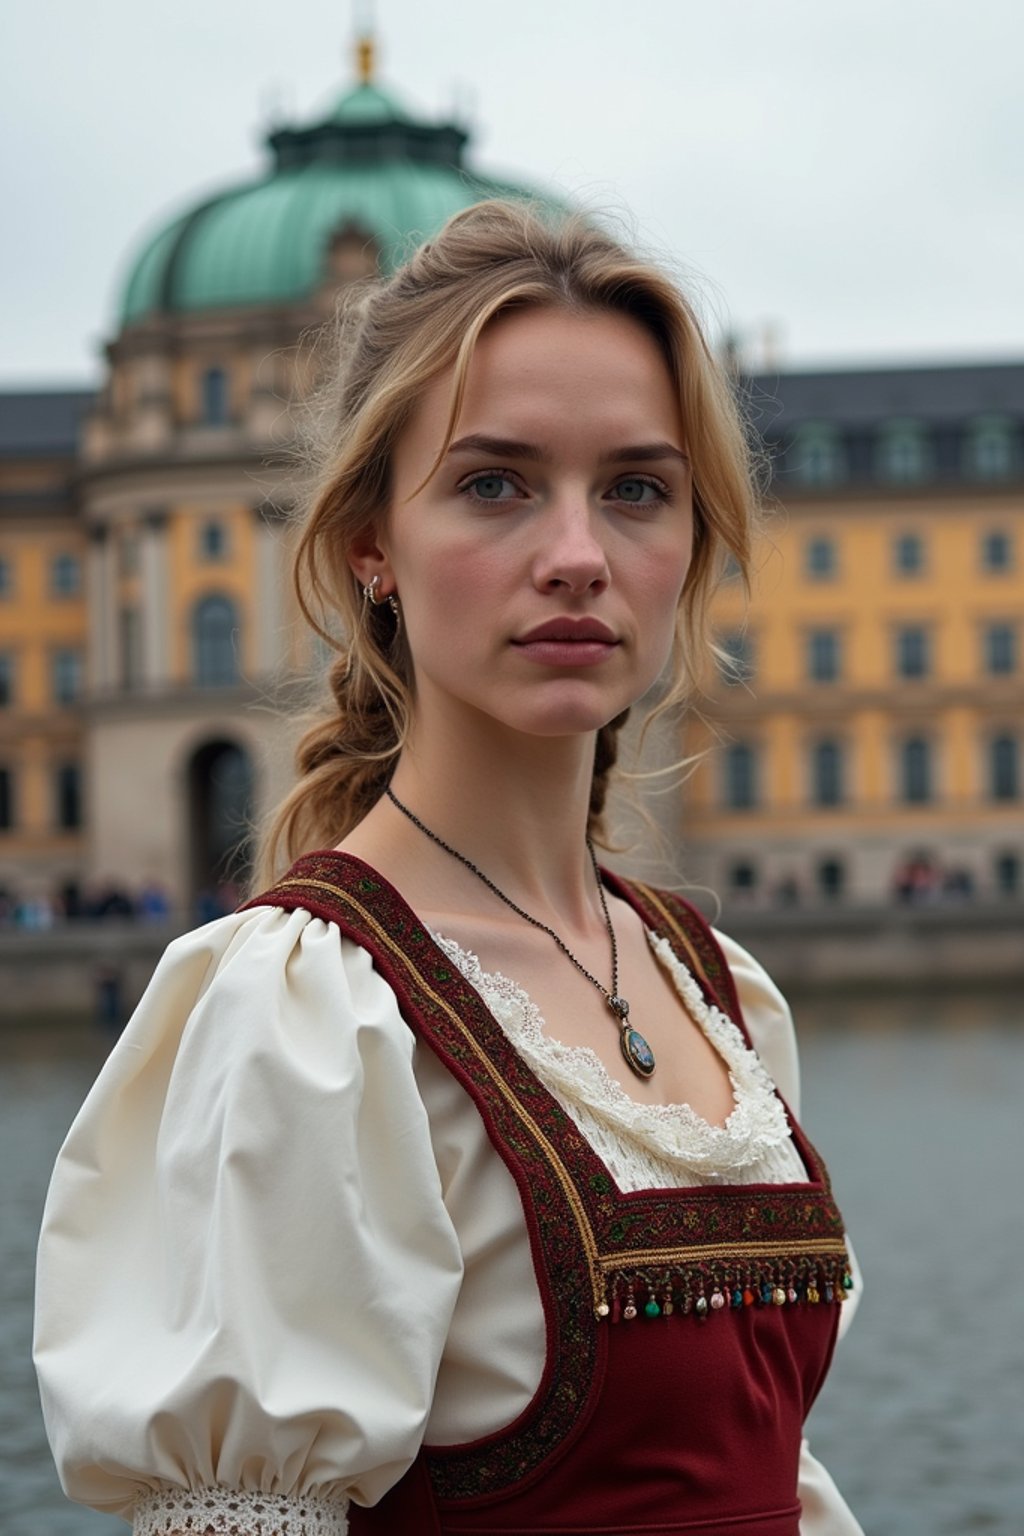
(256, 986)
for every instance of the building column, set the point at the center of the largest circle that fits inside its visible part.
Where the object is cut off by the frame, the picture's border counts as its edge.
(102, 611)
(155, 657)
(269, 651)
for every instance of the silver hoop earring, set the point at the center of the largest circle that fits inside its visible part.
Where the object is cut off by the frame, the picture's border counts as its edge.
(372, 596)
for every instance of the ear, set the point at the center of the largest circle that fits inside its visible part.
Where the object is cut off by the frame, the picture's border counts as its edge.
(366, 560)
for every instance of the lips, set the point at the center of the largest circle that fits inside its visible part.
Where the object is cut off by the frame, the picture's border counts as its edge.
(568, 644)
(569, 631)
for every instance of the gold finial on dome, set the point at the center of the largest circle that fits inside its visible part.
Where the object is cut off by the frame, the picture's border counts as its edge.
(365, 44)
(364, 59)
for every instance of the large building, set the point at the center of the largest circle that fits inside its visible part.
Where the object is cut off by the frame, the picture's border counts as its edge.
(872, 723)
(868, 733)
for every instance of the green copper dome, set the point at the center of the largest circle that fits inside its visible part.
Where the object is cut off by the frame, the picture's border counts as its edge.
(367, 166)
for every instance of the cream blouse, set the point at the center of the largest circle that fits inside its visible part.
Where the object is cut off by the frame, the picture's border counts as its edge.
(279, 1250)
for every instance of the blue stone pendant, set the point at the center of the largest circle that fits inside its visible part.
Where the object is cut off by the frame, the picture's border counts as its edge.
(638, 1054)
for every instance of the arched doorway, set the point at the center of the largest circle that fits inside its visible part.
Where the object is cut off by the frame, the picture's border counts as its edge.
(220, 800)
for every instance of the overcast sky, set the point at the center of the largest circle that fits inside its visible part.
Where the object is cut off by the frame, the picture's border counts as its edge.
(848, 172)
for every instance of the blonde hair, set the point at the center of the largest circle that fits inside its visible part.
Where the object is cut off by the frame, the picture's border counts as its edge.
(392, 339)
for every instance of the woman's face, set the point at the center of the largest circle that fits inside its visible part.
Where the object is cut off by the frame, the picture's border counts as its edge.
(539, 569)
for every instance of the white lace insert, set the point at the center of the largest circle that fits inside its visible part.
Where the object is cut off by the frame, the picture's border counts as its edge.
(651, 1146)
(171, 1511)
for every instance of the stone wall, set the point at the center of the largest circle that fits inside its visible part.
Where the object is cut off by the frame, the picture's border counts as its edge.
(71, 971)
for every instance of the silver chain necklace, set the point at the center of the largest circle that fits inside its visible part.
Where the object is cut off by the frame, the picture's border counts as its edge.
(635, 1050)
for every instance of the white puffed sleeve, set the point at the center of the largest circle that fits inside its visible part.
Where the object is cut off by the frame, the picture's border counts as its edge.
(770, 1022)
(246, 1269)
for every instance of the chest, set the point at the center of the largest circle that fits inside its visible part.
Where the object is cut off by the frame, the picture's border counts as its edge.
(689, 1070)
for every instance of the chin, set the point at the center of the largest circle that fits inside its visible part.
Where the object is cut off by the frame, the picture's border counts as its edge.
(567, 719)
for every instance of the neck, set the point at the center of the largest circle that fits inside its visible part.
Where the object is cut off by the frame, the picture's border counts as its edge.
(517, 807)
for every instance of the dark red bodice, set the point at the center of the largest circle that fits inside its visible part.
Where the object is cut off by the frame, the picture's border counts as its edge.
(689, 1330)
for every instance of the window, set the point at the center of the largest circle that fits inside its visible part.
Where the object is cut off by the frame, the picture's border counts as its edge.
(214, 404)
(908, 554)
(1000, 650)
(743, 877)
(996, 551)
(831, 878)
(912, 658)
(6, 679)
(904, 453)
(817, 454)
(1004, 768)
(820, 562)
(213, 541)
(130, 625)
(738, 663)
(6, 799)
(65, 575)
(214, 625)
(916, 771)
(67, 676)
(68, 794)
(6, 577)
(1007, 871)
(740, 777)
(823, 659)
(990, 450)
(827, 773)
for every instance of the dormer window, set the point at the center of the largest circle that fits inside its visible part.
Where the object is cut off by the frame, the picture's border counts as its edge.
(904, 453)
(817, 455)
(990, 450)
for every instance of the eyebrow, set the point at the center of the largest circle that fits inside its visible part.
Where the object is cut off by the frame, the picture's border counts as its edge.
(504, 447)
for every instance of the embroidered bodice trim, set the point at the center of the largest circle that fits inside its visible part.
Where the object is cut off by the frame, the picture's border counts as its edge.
(171, 1511)
(650, 1145)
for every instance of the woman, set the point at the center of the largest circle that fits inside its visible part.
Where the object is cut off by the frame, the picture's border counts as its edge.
(346, 1236)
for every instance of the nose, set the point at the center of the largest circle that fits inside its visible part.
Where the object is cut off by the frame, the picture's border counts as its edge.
(572, 556)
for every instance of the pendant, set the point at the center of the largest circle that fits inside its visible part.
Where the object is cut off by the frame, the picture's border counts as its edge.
(638, 1054)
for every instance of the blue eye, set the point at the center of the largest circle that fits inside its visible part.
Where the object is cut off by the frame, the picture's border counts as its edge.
(491, 487)
(639, 490)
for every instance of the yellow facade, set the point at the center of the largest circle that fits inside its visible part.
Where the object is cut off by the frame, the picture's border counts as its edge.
(868, 710)
(43, 622)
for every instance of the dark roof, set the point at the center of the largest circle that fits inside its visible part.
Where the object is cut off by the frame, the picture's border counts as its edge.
(43, 421)
(778, 402)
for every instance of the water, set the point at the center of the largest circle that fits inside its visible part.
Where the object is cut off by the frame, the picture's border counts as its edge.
(44, 1076)
(917, 1106)
(915, 1103)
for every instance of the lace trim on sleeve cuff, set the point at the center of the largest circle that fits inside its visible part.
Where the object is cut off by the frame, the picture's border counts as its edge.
(170, 1511)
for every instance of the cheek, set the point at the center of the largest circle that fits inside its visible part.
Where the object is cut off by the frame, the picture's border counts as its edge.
(666, 573)
(447, 581)
(661, 587)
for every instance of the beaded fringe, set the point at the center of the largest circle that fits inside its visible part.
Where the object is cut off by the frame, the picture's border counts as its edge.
(701, 1290)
